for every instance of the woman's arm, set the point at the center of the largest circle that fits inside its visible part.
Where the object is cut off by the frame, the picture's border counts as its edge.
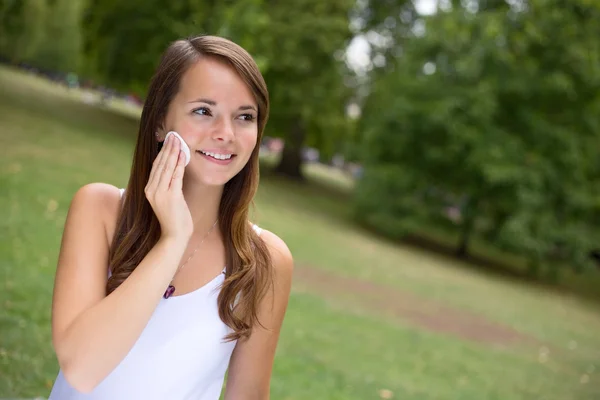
(91, 332)
(249, 375)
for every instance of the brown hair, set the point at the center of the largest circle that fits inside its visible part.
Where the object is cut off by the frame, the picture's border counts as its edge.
(248, 271)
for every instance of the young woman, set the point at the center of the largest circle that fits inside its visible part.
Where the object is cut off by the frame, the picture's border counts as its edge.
(165, 285)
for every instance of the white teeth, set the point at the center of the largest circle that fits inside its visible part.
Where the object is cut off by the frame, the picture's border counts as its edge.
(217, 155)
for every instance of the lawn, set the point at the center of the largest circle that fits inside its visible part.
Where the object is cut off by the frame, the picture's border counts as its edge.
(367, 319)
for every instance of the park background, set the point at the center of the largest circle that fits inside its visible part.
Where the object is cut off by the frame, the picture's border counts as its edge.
(432, 165)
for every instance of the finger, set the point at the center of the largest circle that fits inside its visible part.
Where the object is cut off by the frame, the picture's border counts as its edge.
(158, 164)
(177, 180)
(170, 162)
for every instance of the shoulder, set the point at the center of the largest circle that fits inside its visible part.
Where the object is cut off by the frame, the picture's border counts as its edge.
(102, 196)
(281, 256)
(99, 191)
(101, 200)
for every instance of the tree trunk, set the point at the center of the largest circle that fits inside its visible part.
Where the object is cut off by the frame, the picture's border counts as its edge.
(291, 156)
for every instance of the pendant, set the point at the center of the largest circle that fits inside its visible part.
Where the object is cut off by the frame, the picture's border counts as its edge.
(170, 290)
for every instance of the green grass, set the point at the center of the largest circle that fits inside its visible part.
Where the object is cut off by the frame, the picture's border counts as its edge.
(332, 347)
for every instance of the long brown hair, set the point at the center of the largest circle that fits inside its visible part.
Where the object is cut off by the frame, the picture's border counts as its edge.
(248, 273)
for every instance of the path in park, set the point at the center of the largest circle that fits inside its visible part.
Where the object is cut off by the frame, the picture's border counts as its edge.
(418, 311)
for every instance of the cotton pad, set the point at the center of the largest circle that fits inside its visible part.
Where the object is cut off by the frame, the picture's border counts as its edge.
(184, 146)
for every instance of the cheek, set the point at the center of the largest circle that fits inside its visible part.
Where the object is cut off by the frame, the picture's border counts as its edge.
(249, 138)
(185, 125)
(176, 120)
(188, 129)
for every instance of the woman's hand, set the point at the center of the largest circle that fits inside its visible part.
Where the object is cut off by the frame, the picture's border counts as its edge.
(164, 191)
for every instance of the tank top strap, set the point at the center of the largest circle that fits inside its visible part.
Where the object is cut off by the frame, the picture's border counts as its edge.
(122, 190)
(257, 229)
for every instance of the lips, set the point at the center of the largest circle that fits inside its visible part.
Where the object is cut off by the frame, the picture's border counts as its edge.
(218, 155)
(218, 158)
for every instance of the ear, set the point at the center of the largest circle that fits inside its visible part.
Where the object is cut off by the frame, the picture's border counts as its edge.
(160, 139)
(160, 134)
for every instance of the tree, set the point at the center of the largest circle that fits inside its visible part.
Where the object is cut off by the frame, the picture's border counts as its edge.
(123, 40)
(61, 45)
(493, 114)
(305, 79)
(385, 25)
(22, 28)
(294, 44)
(44, 33)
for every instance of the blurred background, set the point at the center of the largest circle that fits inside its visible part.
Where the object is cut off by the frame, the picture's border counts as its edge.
(432, 165)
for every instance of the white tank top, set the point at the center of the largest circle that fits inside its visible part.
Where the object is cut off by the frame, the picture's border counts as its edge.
(181, 353)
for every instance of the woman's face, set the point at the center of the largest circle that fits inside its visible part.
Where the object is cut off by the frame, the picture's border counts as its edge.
(216, 114)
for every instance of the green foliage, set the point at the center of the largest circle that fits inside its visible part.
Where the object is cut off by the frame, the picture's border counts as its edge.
(360, 316)
(61, 48)
(44, 33)
(305, 80)
(123, 40)
(22, 28)
(294, 44)
(385, 25)
(495, 114)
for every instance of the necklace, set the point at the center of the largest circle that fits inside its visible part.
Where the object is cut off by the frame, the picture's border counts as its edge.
(171, 289)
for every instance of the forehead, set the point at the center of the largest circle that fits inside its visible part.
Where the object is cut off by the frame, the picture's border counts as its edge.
(216, 80)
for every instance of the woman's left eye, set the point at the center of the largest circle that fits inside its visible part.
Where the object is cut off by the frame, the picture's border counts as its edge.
(247, 117)
(201, 111)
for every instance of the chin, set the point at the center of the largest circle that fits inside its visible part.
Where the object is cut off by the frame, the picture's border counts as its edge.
(214, 179)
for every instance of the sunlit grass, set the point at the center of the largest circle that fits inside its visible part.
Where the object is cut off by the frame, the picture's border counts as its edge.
(332, 347)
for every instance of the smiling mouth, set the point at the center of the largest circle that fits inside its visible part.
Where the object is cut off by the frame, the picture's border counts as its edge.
(217, 156)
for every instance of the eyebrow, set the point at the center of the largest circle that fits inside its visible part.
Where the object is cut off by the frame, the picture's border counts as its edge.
(214, 103)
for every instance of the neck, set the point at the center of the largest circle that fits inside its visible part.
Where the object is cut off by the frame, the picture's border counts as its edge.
(203, 202)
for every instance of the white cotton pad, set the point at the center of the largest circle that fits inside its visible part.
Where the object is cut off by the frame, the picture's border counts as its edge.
(184, 146)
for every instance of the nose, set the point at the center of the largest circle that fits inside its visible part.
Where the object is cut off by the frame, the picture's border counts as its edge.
(224, 131)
